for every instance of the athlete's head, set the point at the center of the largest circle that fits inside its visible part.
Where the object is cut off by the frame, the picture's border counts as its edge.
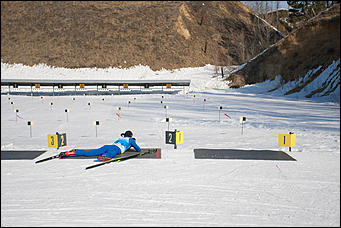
(127, 134)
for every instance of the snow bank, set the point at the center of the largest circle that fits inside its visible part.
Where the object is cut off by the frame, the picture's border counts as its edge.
(327, 80)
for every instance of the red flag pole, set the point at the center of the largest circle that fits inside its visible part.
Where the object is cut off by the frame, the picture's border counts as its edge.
(227, 116)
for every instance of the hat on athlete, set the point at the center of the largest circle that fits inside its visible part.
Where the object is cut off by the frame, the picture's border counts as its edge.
(127, 134)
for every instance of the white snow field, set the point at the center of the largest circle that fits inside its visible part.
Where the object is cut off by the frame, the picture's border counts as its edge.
(176, 190)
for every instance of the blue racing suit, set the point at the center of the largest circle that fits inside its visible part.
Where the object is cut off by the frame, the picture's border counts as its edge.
(119, 146)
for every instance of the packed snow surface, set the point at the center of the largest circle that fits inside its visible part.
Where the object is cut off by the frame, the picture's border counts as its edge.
(176, 190)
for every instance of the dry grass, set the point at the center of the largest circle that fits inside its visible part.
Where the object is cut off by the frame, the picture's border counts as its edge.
(315, 43)
(122, 34)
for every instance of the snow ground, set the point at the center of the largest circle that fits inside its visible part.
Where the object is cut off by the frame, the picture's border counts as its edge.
(176, 190)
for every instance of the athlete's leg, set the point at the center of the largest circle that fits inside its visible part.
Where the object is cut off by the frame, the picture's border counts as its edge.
(94, 152)
(112, 151)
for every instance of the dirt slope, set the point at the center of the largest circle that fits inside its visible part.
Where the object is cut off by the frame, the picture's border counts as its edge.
(315, 43)
(160, 34)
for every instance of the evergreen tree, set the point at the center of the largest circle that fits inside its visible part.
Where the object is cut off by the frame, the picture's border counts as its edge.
(301, 10)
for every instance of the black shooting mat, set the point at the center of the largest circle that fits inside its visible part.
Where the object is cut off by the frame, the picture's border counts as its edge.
(241, 154)
(21, 154)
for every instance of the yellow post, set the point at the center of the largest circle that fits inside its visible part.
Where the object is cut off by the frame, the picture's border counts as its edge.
(179, 137)
(287, 140)
(52, 140)
(16, 113)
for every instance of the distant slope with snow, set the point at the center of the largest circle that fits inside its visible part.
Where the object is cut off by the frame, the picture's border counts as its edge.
(306, 63)
(325, 87)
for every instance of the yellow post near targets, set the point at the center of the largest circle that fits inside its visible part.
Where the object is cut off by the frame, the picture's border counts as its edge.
(168, 86)
(57, 140)
(37, 85)
(53, 140)
(288, 140)
(179, 137)
(174, 137)
(125, 85)
(81, 85)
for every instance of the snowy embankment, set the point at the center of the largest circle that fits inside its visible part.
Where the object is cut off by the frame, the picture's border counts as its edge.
(176, 190)
(324, 88)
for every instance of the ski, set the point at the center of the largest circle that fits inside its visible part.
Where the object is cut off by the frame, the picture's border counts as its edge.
(123, 158)
(49, 158)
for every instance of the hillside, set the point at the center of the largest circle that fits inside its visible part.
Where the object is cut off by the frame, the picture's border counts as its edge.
(160, 34)
(309, 49)
(279, 19)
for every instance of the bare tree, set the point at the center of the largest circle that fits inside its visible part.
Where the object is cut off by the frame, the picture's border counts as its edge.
(241, 38)
(277, 7)
(216, 67)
